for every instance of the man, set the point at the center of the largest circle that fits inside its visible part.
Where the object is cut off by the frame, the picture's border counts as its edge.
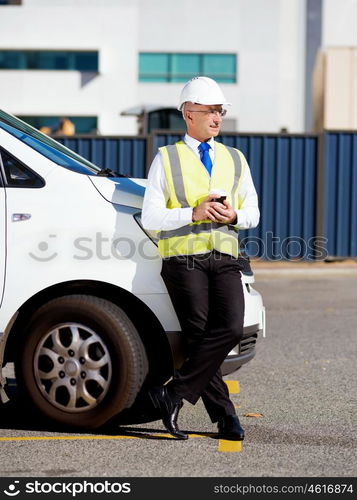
(198, 242)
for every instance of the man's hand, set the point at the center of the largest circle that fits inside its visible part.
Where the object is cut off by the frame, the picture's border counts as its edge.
(215, 211)
(226, 213)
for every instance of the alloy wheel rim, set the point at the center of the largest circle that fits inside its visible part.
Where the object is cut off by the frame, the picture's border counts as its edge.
(73, 367)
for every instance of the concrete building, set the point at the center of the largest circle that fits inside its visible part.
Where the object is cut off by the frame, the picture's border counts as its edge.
(91, 60)
(107, 28)
(335, 69)
(335, 89)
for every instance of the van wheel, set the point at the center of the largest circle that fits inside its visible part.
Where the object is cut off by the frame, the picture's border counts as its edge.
(81, 361)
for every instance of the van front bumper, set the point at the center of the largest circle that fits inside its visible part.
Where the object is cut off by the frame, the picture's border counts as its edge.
(239, 356)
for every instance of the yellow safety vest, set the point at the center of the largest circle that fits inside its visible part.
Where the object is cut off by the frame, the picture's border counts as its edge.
(189, 184)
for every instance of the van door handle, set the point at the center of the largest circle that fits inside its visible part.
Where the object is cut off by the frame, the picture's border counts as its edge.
(20, 217)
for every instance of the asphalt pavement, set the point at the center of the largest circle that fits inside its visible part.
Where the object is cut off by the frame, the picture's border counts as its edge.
(300, 390)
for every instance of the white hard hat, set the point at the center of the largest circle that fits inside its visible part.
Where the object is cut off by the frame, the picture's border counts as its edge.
(202, 90)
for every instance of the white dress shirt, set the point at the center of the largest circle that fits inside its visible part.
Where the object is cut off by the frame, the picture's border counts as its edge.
(157, 217)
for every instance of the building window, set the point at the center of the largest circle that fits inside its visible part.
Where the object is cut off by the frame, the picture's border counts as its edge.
(49, 60)
(57, 125)
(162, 67)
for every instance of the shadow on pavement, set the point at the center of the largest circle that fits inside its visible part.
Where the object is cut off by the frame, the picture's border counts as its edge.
(14, 416)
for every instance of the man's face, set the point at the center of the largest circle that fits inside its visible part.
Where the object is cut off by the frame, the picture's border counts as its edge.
(203, 121)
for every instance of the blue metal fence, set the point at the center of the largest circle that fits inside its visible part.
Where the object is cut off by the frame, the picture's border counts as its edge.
(340, 193)
(286, 173)
(126, 155)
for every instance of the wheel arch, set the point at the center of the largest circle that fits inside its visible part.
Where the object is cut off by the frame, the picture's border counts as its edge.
(147, 324)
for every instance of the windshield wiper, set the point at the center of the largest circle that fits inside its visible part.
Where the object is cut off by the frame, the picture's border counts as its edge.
(107, 172)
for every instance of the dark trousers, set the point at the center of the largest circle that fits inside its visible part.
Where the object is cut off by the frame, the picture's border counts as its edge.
(206, 292)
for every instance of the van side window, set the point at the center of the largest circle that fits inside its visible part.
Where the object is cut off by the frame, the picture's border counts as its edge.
(17, 174)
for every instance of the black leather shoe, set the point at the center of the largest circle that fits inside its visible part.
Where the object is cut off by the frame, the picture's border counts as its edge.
(229, 428)
(169, 410)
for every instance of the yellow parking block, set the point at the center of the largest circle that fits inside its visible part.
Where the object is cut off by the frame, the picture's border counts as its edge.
(227, 446)
(233, 386)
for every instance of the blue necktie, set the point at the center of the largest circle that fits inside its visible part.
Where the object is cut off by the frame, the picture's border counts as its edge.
(205, 157)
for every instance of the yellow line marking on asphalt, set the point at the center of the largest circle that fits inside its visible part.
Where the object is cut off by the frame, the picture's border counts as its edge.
(58, 438)
(223, 445)
(73, 438)
(236, 406)
(233, 386)
(230, 446)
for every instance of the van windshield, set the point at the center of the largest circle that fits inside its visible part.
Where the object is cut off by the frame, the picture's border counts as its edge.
(46, 146)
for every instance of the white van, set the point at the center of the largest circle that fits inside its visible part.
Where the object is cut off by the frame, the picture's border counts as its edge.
(84, 314)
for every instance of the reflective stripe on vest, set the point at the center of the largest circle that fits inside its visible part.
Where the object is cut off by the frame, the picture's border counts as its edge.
(189, 183)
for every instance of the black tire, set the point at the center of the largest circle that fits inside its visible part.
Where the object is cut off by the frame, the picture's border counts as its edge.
(81, 361)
